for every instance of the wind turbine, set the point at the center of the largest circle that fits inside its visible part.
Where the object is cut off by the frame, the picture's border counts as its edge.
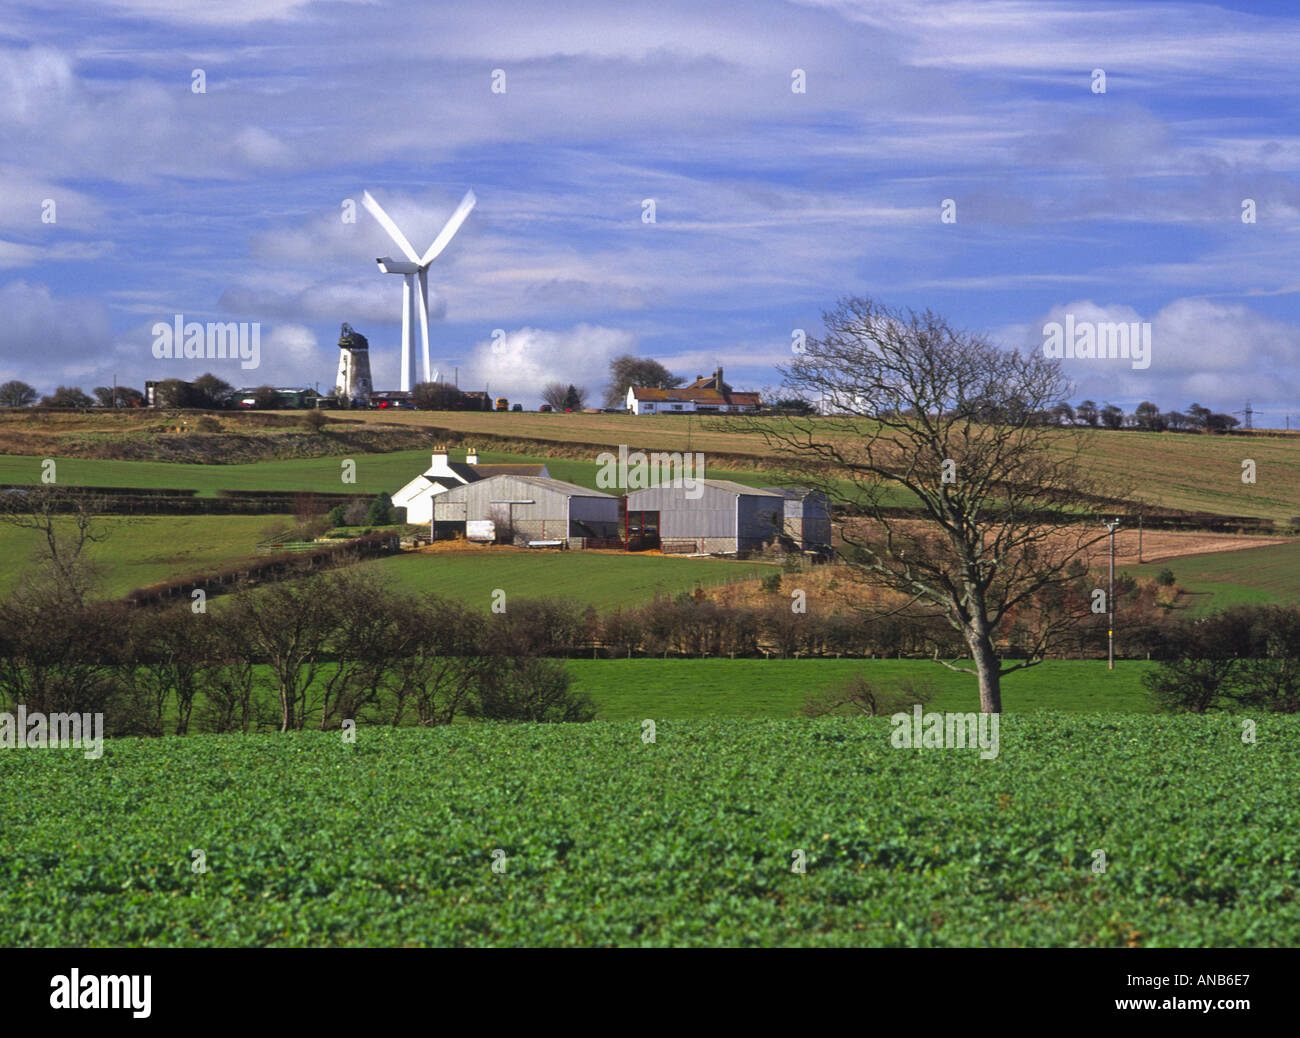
(415, 286)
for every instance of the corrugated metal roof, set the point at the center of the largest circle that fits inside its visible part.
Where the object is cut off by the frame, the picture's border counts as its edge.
(725, 485)
(797, 493)
(545, 483)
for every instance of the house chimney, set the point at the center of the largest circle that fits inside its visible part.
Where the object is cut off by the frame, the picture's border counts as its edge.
(471, 456)
(717, 379)
(439, 458)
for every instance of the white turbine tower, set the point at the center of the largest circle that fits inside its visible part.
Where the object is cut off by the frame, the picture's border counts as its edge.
(415, 286)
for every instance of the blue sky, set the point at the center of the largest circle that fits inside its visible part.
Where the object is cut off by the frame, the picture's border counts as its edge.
(770, 204)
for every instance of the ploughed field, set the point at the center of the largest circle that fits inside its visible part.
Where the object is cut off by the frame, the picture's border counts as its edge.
(602, 838)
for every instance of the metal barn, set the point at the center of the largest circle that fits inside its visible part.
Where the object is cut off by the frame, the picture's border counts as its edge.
(714, 517)
(532, 508)
(807, 517)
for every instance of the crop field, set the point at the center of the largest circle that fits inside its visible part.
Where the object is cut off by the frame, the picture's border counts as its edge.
(600, 579)
(587, 835)
(142, 550)
(631, 690)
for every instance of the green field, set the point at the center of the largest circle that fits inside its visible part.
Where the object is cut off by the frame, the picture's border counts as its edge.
(626, 690)
(374, 472)
(1251, 576)
(605, 581)
(602, 838)
(142, 550)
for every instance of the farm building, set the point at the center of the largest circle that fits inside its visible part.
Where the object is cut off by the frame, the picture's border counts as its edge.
(442, 474)
(722, 519)
(703, 396)
(807, 517)
(533, 508)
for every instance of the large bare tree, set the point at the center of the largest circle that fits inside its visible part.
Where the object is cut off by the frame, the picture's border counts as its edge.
(970, 506)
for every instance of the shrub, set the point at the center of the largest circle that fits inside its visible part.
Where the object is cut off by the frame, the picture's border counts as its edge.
(1165, 577)
(772, 584)
(355, 513)
(335, 515)
(859, 696)
(380, 512)
(528, 689)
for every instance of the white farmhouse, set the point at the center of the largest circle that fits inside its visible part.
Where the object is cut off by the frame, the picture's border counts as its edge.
(443, 474)
(703, 396)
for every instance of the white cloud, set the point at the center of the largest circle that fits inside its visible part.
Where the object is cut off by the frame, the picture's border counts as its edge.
(44, 337)
(526, 359)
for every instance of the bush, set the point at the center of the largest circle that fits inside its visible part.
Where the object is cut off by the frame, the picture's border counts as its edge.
(859, 696)
(335, 515)
(355, 513)
(528, 689)
(772, 584)
(380, 512)
(1165, 578)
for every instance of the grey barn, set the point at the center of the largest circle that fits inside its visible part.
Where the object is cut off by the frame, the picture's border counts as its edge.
(713, 517)
(807, 517)
(533, 508)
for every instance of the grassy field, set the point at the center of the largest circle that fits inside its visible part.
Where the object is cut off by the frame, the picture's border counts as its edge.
(626, 690)
(603, 580)
(1250, 576)
(1196, 473)
(586, 835)
(141, 550)
(374, 472)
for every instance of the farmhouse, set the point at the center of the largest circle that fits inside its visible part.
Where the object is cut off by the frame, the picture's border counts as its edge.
(532, 508)
(703, 396)
(441, 475)
(723, 519)
(807, 517)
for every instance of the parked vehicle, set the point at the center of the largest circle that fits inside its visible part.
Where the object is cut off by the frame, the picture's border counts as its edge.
(517, 407)
(544, 408)
(502, 404)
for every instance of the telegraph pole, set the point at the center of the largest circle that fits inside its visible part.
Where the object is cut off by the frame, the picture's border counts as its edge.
(1110, 599)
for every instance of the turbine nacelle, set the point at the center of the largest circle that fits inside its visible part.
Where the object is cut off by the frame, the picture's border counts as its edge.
(391, 266)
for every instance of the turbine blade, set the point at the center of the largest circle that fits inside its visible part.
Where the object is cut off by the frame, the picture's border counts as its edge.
(386, 222)
(422, 315)
(449, 229)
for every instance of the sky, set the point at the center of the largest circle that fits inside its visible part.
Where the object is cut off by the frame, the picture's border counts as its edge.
(770, 203)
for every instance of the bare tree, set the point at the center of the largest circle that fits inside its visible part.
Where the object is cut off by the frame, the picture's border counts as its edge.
(67, 521)
(922, 414)
(288, 625)
(628, 370)
(554, 393)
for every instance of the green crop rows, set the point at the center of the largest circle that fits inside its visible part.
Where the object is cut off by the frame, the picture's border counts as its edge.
(608, 839)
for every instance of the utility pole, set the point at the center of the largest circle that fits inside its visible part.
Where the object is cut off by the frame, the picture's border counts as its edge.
(1110, 598)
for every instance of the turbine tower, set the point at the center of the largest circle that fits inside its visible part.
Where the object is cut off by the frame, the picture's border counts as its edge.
(415, 284)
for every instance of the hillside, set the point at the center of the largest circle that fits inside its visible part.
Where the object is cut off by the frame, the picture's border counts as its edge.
(1171, 471)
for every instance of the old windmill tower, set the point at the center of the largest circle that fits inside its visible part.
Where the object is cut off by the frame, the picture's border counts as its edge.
(353, 382)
